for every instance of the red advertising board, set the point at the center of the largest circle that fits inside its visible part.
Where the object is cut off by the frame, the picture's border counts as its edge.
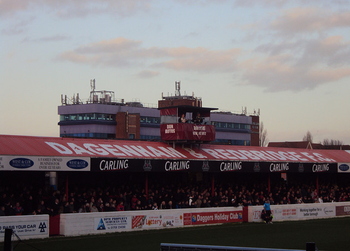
(342, 210)
(187, 131)
(138, 221)
(202, 218)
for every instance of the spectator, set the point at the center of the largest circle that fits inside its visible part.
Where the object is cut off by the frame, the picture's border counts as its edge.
(18, 209)
(94, 208)
(155, 206)
(120, 206)
(41, 209)
(2, 211)
(68, 207)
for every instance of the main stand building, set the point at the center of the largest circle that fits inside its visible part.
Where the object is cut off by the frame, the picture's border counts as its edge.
(102, 116)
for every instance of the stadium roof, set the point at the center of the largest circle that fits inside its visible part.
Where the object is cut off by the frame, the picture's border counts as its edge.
(17, 149)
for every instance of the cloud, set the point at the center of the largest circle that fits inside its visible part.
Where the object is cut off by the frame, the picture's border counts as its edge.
(68, 8)
(250, 3)
(280, 3)
(53, 38)
(309, 20)
(331, 51)
(115, 52)
(147, 74)
(302, 48)
(10, 6)
(295, 66)
(18, 27)
(110, 46)
(298, 65)
(201, 59)
(274, 75)
(123, 52)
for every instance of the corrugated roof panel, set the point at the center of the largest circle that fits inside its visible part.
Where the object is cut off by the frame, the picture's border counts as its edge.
(55, 146)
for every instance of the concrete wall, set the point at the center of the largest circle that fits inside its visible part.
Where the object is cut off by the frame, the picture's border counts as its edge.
(100, 223)
(37, 226)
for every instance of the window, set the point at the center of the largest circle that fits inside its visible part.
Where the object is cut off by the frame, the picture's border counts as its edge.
(236, 126)
(89, 135)
(87, 116)
(233, 142)
(150, 120)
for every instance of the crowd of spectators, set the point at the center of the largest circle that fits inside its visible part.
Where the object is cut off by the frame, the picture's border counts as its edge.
(29, 200)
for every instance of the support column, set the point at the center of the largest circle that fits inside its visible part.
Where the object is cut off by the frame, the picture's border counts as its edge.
(67, 187)
(146, 185)
(212, 185)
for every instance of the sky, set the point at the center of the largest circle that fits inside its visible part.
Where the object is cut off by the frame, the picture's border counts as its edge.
(290, 60)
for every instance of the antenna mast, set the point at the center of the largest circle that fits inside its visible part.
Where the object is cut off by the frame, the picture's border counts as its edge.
(177, 88)
(92, 92)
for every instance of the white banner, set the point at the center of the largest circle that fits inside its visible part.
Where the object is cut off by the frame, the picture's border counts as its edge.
(158, 219)
(296, 211)
(112, 223)
(26, 227)
(44, 163)
(98, 223)
(343, 167)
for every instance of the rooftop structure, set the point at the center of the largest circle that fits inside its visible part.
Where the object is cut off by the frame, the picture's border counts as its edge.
(105, 117)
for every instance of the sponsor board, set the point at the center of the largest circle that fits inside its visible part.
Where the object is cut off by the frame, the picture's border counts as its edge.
(278, 213)
(342, 210)
(154, 221)
(44, 163)
(176, 165)
(316, 211)
(201, 218)
(344, 167)
(25, 228)
(296, 211)
(113, 223)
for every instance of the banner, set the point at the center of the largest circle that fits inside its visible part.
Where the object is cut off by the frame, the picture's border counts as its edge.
(26, 227)
(161, 219)
(343, 210)
(344, 167)
(44, 163)
(176, 165)
(112, 223)
(201, 218)
(295, 211)
(187, 132)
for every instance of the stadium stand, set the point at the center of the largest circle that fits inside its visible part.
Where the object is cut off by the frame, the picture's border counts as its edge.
(28, 198)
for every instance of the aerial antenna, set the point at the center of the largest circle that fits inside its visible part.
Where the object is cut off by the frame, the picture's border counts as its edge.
(177, 88)
(92, 92)
(92, 84)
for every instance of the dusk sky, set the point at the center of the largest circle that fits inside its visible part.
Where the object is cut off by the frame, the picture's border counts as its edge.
(288, 59)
